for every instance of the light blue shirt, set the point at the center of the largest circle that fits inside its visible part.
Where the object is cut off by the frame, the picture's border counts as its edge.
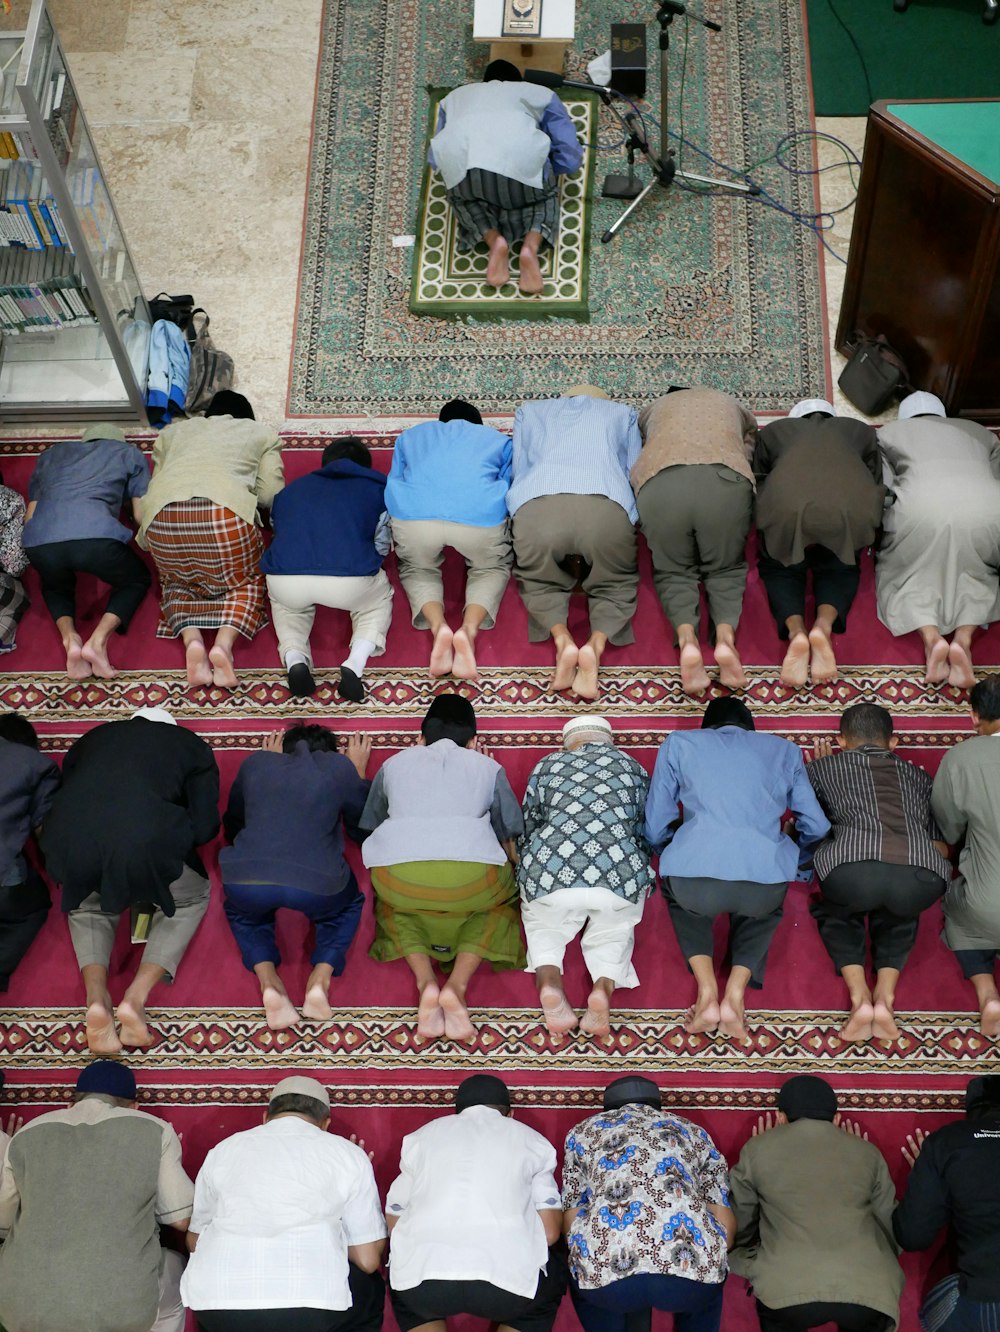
(575, 446)
(734, 787)
(451, 471)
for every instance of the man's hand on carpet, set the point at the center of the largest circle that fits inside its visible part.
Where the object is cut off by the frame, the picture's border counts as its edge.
(823, 748)
(14, 1122)
(912, 1147)
(481, 747)
(272, 743)
(854, 1128)
(765, 1123)
(360, 1142)
(359, 750)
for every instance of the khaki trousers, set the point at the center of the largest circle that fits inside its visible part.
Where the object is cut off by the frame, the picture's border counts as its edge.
(420, 546)
(608, 923)
(294, 598)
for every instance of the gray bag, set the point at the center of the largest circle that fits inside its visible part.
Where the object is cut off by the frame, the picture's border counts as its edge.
(211, 369)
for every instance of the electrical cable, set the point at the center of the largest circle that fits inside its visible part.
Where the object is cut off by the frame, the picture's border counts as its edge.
(850, 35)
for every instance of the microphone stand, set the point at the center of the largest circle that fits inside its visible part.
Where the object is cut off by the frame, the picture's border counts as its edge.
(664, 167)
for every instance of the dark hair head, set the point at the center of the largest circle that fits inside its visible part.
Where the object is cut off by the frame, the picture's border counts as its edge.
(867, 724)
(631, 1090)
(727, 711)
(502, 71)
(460, 410)
(482, 1089)
(449, 717)
(807, 1097)
(228, 403)
(299, 1105)
(349, 447)
(985, 699)
(318, 738)
(982, 1096)
(18, 730)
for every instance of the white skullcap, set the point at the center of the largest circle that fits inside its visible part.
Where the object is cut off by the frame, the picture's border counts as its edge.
(809, 405)
(590, 724)
(921, 404)
(301, 1087)
(154, 714)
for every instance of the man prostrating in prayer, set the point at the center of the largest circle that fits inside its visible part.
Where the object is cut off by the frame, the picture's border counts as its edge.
(500, 147)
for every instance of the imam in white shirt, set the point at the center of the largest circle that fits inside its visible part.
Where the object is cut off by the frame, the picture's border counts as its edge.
(275, 1209)
(467, 1196)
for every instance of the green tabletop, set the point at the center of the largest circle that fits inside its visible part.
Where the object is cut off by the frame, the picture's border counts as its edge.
(969, 131)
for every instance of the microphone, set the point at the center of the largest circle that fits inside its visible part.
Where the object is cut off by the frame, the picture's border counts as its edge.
(671, 7)
(546, 79)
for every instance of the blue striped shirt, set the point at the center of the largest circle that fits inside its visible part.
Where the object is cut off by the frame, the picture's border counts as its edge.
(575, 446)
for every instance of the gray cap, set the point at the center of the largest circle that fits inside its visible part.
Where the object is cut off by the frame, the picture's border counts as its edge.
(104, 430)
(301, 1087)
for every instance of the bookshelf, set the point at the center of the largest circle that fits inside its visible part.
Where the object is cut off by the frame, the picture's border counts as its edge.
(74, 325)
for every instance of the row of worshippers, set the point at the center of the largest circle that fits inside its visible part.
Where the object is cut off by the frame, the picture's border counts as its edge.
(286, 1229)
(458, 865)
(558, 503)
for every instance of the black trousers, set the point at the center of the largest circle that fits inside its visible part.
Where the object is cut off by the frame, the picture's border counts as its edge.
(891, 896)
(754, 911)
(366, 1314)
(976, 961)
(433, 1300)
(113, 562)
(803, 1317)
(23, 908)
(834, 584)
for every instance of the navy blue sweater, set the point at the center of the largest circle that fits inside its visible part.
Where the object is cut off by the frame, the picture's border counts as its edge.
(324, 523)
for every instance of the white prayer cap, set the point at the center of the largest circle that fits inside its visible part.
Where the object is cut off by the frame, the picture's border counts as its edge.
(921, 404)
(584, 390)
(809, 405)
(301, 1087)
(154, 714)
(590, 725)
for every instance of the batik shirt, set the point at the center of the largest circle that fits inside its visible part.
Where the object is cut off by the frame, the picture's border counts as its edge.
(12, 557)
(584, 813)
(643, 1179)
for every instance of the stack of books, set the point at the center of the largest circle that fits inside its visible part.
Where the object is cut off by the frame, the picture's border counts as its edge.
(41, 292)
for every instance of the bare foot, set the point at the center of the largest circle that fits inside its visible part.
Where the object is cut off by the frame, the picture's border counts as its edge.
(199, 670)
(884, 1027)
(585, 680)
(99, 661)
(458, 1026)
(731, 1021)
(498, 268)
(279, 1010)
(442, 653)
(132, 1017)
(464, 666)
(597, 1019)
(731, 672)
(430, 1014)
(102, 1039)
(694, 677)
(989, 1018)
(77, 666)
(223, 675)
(705, 1015)
(822, 662)
(531, 282)
(937, 663)
(795, 667)
(566, 661)
(960, 673)
(559, 1017)
(858, 1026)
(316, 1004)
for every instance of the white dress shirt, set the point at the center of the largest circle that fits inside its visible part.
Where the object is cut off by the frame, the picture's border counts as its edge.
(467, 1196)
(275, 1209)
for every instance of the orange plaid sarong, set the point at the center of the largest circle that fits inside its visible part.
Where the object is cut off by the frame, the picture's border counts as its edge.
(207, 558)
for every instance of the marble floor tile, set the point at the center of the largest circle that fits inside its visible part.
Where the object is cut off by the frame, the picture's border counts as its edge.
(91, 25)
(272, 25)
(117, 91)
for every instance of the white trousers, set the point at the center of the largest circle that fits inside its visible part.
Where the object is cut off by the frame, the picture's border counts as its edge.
(171, 1316)
(294, 598)
(608, 923)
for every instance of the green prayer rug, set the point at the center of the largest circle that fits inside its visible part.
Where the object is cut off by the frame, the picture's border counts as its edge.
(450, 284)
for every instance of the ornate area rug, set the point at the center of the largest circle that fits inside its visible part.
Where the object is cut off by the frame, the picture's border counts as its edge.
(447, 283)
(694, 289)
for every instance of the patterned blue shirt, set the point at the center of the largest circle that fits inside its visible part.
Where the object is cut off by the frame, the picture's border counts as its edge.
(643, 1179)
(575, 446)
(583, 824)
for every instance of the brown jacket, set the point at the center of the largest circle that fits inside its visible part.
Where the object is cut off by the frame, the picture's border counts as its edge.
(698, 425)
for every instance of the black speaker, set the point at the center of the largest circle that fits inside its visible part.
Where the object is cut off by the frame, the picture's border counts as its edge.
(628, 58)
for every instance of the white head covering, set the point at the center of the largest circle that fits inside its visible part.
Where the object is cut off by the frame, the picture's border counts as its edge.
(154, 714)
(809, 405)
(921, 404)
(587, 728)
(301, 1086)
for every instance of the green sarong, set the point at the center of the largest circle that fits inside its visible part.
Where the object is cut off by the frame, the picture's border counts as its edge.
(445, 907)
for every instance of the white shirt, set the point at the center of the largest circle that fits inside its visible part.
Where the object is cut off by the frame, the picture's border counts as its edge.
(275, 1209)
(467, 1196)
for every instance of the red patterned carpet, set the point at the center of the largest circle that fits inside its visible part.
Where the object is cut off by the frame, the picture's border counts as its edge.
(214, 1058)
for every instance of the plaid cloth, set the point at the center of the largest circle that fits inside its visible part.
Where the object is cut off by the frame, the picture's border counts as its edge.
(13, 603)
(483, 201)
(207, 558)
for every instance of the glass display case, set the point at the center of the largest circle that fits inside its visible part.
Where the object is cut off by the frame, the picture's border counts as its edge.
(74, 325)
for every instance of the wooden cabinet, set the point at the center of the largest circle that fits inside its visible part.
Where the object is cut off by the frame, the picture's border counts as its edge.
(924, 264)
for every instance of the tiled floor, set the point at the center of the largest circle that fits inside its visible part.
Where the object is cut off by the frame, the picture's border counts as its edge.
(201, 113)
